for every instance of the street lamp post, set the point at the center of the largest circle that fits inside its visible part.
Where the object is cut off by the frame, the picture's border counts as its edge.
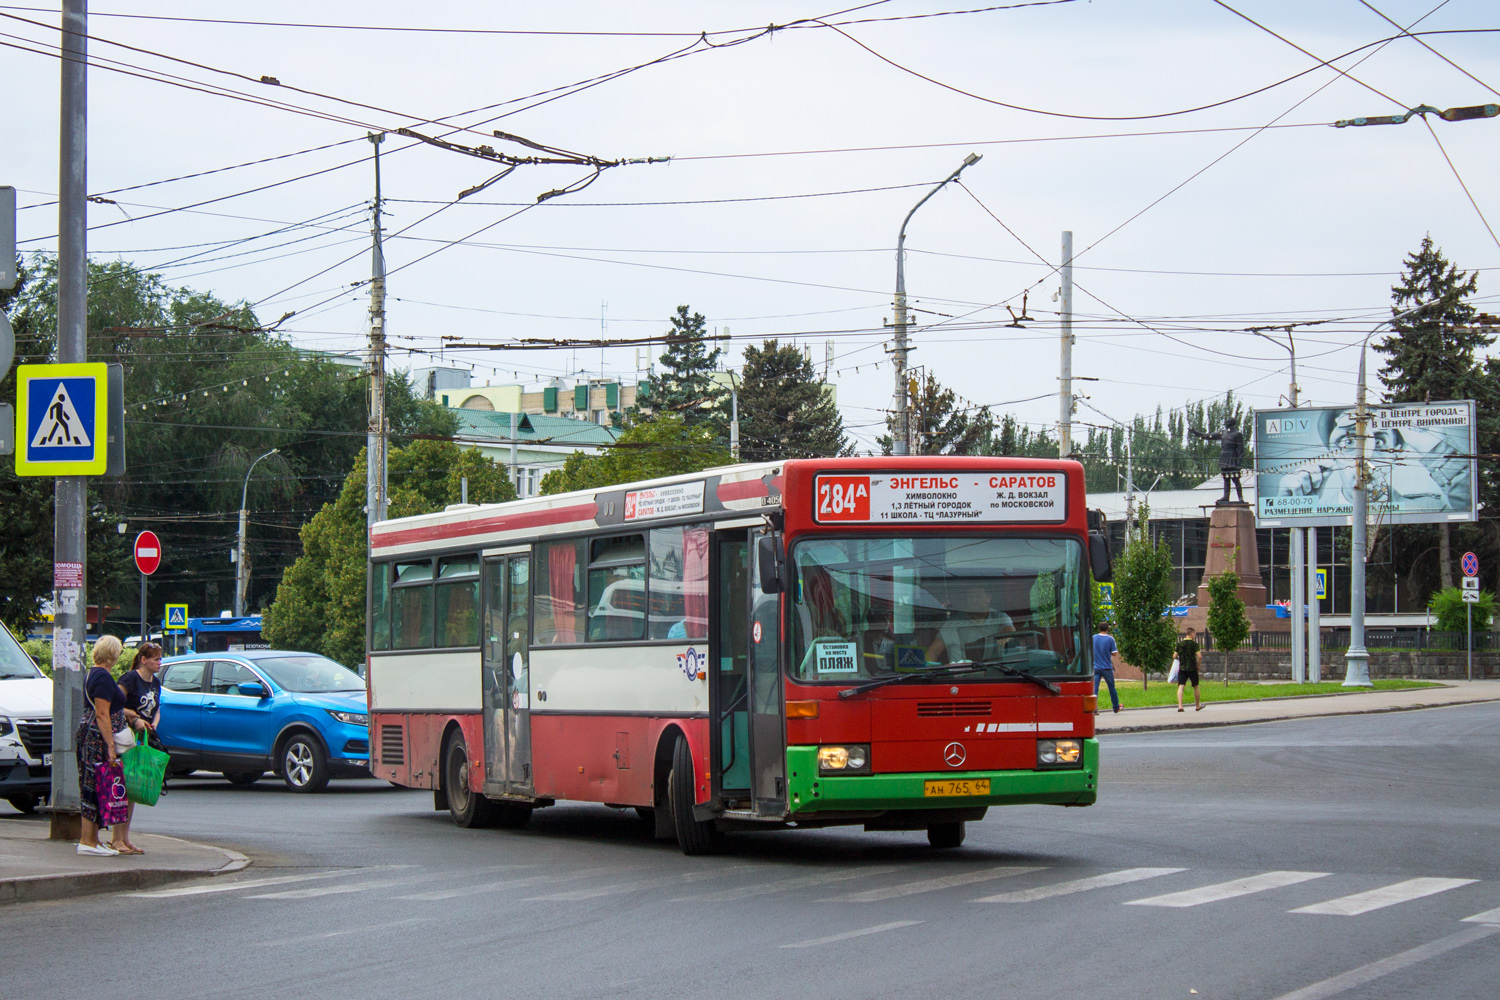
(900, 445)
(241, 575)
(1357, 658)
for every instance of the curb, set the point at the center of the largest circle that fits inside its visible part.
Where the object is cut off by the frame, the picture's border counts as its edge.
(1208, 724)
(40, 888)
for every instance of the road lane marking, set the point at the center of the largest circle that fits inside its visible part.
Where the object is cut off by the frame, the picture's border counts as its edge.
(1124, 877)
(307, 938)
(877, 929)
(781, 885)
(616, 888)
(1228, 890)
(1334, 985)
(1390, 895)
(198, 890)
(933, 884)
(325, 890)
(1487, 917)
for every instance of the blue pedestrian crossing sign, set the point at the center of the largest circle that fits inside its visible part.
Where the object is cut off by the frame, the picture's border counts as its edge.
(62, 420)
(177, 617)
(1322, 584)
(1107, 594)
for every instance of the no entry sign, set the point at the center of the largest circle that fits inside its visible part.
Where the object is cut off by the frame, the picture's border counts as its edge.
(147, 552)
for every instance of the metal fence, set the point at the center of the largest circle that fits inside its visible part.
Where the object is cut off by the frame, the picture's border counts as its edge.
(1337, 639)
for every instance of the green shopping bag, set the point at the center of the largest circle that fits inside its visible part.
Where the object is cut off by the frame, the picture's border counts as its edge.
(145, 770)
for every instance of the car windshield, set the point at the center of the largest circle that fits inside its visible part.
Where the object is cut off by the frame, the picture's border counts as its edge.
(309, 673)
(874, 607)
(14, 663)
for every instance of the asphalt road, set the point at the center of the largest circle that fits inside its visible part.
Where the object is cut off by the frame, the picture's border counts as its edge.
(1245, 862)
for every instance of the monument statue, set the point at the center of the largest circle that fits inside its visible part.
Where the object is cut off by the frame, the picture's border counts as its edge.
(1231, 455)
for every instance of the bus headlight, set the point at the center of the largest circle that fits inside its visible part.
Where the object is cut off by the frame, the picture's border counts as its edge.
(849, 759)
(1058, 753)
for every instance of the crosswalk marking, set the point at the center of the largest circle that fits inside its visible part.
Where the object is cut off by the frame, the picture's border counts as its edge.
(1229, 890)
(1487, 917)
(1342, 983)
(933, 884)
(1078, 885)
(832, 938)
(785, 884)
(1390, 895)
(199, 890)
(325, 890)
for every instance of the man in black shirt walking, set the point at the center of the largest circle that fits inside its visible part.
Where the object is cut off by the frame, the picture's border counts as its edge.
(1187, 669)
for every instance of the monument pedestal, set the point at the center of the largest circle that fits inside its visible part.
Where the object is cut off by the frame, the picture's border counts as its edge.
(1231, 547)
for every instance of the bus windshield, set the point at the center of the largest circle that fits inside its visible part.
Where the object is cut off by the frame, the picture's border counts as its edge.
(877, 606)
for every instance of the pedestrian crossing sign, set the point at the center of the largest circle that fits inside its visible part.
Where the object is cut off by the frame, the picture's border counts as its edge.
(62, 420)
(177, 617)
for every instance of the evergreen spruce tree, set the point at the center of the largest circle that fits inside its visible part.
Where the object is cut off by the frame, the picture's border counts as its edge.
(685, 383)
(785, 411)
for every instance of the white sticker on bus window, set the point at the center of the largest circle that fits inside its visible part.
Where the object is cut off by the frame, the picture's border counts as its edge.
(836, 658)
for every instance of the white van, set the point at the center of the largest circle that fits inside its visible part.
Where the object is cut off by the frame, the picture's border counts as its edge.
(25, 727)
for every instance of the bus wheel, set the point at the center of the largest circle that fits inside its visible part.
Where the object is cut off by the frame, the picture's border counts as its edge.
(693, 837)
(943, 835)
(468, 808)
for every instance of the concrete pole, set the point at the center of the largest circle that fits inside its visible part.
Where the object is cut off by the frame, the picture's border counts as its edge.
(69, 548)
(515, 472)
(1314, 626)
(734, 423)
(375, 437)
(1357, 658)
(1065, 382)
(1299, 627)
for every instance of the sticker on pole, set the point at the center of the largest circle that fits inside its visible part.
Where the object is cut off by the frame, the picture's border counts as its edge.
(61, 415)
(942, 498)
(1470, 564)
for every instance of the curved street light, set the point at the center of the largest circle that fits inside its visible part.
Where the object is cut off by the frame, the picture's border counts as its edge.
(241, 574)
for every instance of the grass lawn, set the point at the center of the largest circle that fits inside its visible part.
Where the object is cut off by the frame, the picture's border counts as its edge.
(1162, 693)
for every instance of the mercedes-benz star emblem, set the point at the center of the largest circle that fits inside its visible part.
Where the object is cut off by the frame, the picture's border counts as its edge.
(954, 754)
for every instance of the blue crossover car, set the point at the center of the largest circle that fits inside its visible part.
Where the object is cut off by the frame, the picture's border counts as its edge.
(299, 715)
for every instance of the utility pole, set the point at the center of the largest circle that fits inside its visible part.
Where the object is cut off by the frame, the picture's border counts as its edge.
(375, 436)
(69, 549)
(1065, 387)
(902, 435)
(734, 421)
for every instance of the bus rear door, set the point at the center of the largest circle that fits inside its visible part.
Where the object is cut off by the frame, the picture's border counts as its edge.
(506, 676)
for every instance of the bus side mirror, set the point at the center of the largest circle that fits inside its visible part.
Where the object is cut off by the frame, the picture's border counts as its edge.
(771, 563)
(1100, 561)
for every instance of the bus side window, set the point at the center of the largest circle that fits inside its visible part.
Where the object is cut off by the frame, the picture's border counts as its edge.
(456, 600)
(557, 593)
(678, 572)
(617, 588)
(380, 606)
(411, 605)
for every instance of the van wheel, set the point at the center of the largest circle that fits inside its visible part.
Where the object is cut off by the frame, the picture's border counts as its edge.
(693, 836)
(467, 807)
(24, 803)
(945, 835)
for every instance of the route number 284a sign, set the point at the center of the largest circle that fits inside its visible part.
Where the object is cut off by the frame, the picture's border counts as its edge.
(942, 497)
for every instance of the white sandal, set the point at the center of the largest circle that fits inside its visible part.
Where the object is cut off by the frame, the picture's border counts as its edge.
(98, 851)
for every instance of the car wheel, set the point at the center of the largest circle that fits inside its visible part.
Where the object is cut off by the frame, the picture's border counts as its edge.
(243, 778)
(304, 765)
(24, 803)
(693, 836)
(945, 835)
(468, 808)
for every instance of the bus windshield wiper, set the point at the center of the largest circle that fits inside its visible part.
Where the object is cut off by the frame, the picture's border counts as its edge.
(1006, 668)
(944, 671)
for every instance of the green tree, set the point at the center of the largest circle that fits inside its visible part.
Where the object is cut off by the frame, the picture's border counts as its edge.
(320, 604)
(1143, 589)
(665, 445)
(942, 424)
(686, 383)
(785, 410)
(1452, 615)
(1227, 621)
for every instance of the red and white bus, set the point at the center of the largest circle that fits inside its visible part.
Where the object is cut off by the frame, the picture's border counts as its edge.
(894, 642)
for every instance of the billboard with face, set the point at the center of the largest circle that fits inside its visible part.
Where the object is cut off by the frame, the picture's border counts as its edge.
(1421, 461)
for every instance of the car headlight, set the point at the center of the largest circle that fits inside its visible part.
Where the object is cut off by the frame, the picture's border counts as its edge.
(350, 718)
(1059, 753)
(848, 759)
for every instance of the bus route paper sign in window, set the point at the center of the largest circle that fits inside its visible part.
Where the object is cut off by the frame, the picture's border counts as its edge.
(942, 497)
(664, 501)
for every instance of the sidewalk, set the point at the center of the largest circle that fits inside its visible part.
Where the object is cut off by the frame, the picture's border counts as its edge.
(35, 868)
(1229, 713)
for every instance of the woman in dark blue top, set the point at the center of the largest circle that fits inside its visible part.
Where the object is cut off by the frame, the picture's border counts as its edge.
(94, 742)
(142, 690)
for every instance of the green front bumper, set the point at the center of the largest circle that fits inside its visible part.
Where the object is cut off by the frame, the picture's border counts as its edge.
(810, 793)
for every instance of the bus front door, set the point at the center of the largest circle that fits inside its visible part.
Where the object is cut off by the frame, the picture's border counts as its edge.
(506, 676)
(767, 694)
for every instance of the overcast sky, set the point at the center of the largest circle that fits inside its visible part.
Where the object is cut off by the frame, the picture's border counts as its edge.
(795, 156)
